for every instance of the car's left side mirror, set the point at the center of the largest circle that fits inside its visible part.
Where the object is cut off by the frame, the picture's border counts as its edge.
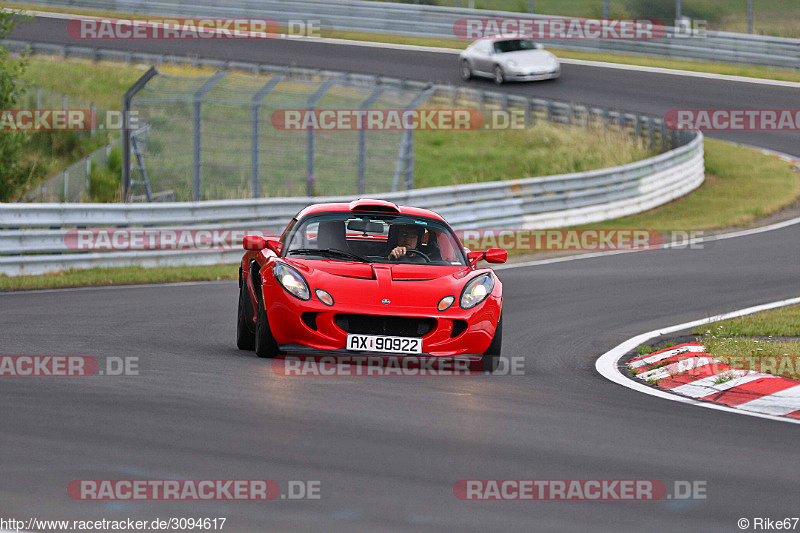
(495, 255)
(492, 255)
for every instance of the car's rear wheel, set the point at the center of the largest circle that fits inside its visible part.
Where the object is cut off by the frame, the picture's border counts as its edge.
(265, 343)
(466, 70)
(499, 76)
(491, 356)
(245, 339)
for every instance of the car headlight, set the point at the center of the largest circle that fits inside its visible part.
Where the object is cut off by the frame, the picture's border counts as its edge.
(445, 303)
(291, 280)
(476, 291)
(324, 296)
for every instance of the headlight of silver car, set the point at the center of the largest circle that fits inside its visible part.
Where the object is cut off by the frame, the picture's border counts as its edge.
(291, 280)
(476, 291)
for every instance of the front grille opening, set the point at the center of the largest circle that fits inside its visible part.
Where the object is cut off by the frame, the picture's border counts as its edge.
(310, 320)
(458, 328)
(400, 326)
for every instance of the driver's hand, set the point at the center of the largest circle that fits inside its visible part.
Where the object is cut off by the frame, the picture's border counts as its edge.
(398, 252)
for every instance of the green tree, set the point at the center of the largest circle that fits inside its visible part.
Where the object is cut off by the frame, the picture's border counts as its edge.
(11, 142)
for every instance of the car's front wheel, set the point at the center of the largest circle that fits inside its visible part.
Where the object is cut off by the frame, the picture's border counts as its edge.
(499, 76)
(265, 343)
(466, 70)
(491, 356)
(245, 339)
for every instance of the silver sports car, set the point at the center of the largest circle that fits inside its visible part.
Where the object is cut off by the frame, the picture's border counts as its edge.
(508, 60)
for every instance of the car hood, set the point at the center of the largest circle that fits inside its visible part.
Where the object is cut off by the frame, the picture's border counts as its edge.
(529, 58)
(403, 285)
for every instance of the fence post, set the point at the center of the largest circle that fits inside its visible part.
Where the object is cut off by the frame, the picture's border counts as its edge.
(407, 145)
(361, 183)
(311, 104)
(197, 129)
(255, 103)
(126, 130)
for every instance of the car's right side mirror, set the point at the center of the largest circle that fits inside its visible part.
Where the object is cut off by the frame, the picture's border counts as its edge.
(253, 243)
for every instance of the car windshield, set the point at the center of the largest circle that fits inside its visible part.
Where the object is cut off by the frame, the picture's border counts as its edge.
(373, 237)
(513, 45)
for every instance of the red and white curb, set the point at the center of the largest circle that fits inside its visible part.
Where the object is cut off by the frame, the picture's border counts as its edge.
(609, 366)
(687, 370)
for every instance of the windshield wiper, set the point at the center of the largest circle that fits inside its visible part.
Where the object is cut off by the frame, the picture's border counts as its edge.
(328, 252)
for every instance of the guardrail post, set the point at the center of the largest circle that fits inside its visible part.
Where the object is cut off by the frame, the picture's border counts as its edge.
(126, 130)
(254, 132)
(197, 120)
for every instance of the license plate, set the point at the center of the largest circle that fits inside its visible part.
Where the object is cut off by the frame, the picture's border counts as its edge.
(384, 343)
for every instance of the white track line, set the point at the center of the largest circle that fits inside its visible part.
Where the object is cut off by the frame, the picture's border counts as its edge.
(608, 363)
(120, 286)
(720, 237)
(455, 51)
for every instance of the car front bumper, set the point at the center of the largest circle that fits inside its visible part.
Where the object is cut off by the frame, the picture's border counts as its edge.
(521, 75)
(316, 326)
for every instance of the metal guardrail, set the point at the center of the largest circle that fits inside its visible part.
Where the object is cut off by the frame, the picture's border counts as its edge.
(33, 236)
(434, 21)
(532, 203)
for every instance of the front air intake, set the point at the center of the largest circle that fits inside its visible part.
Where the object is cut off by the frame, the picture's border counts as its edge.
(400, 326)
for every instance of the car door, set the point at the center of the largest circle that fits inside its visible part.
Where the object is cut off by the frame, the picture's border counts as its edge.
(483, 57)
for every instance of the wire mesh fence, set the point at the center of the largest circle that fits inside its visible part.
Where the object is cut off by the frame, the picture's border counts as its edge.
(73, 183)
(214, 137)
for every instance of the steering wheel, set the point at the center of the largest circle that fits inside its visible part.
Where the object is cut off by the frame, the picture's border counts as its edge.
(423, 254)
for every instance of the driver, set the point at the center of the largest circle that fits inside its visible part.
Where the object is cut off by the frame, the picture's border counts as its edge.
(407, 239)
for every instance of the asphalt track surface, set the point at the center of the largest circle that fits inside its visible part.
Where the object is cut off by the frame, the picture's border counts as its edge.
(388, 450)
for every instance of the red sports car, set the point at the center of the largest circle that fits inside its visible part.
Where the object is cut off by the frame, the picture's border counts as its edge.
(369, 277)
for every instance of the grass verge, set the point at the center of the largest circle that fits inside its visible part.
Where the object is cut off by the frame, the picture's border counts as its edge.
(757, 342)
(742, 185)
(728, 69)
(119, 276)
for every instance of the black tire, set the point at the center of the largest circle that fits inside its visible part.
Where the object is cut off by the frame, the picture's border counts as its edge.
(491, 357)
(499, 76)
(265, 344)
(466, 70)
(245, 339)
